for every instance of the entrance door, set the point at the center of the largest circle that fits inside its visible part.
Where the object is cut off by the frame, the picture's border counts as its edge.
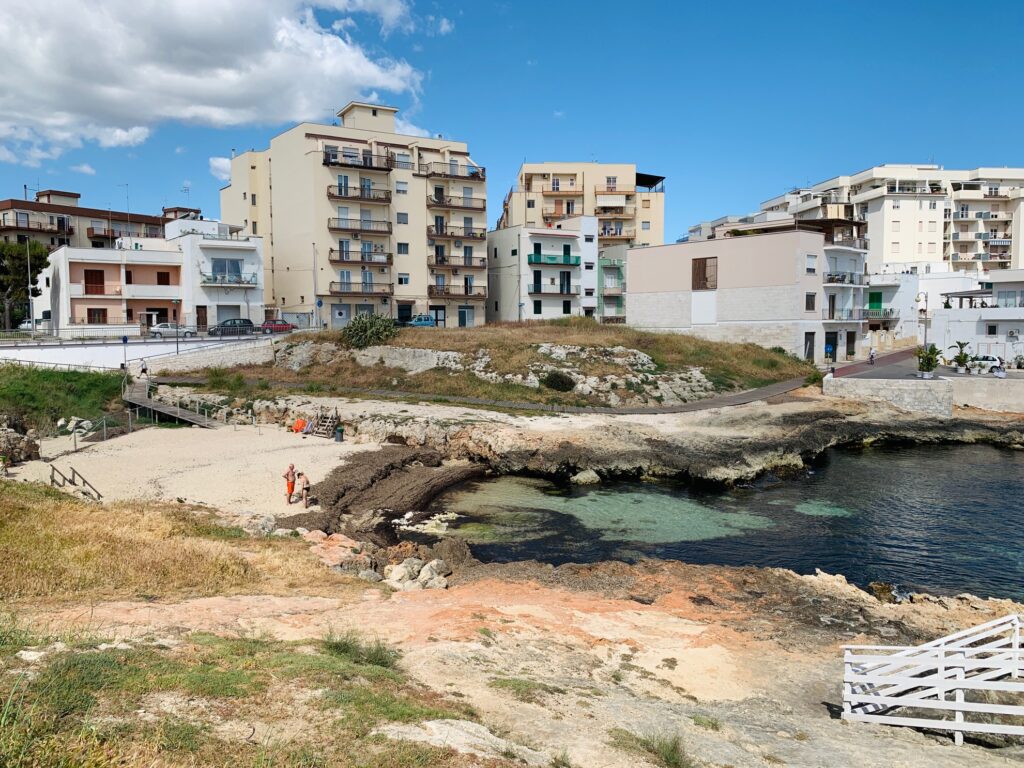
(851, 344)
(404, 313)
(201, 322)
(340, 315)
(466, 317)
(831, 345)
(809, 346)
(438, 313)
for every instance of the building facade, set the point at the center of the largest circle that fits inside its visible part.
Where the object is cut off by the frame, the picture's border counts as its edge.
(794, 288)
(990, 317)
(629, 206)
(360, 219)
(202, 273)
(913, 213)
(55, 219)
(541, 273)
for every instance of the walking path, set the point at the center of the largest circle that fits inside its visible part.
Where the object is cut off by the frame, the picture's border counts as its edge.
(880, 362)
(137, 393)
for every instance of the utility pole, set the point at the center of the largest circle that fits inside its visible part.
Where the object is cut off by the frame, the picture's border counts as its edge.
(28, 255)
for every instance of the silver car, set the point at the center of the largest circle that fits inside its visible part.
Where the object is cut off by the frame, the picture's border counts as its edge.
(160, 330)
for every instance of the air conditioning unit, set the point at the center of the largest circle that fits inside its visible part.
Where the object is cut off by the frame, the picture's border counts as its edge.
(355, 235)
(1014, 334)
(455, 271)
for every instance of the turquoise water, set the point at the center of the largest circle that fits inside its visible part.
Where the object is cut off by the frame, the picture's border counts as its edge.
(944, 519)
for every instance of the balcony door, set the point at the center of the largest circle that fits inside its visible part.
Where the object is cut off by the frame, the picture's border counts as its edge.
(367, 281)
(94, 280)
(366, 187)
(467, 225)
(558, 207)
(439, 193)
(537, 279)
(345, 278)
(368, 158)
(467, 284)
(439, 257)
(831, 306)
(564, 282)
(344, 249)
(467, 193)
(342, 184)
(439, 227)
(343, 212)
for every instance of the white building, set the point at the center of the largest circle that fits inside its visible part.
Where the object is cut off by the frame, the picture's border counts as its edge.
(538, 273)
(201, 273)
(989, 317)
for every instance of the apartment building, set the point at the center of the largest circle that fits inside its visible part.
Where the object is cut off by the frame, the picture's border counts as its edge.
(913, 213)
(989, 316)
(202, 273)
(361, 219)
(793, 286)
(55, 218)
(537, 273)
(629, 205)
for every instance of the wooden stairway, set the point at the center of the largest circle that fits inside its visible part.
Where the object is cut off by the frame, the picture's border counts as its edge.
(324, 423)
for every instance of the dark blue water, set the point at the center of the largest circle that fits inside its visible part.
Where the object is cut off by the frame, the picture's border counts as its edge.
(941, 519)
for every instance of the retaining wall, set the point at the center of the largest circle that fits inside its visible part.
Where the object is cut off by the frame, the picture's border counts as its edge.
(932, 397)
(989, 393)
(225, 355)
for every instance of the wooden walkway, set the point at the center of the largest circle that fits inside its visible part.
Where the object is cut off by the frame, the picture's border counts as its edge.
(137, 393)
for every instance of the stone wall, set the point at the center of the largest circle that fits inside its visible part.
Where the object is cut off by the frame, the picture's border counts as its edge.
(989, 393)
(933, 397)
(225, 355)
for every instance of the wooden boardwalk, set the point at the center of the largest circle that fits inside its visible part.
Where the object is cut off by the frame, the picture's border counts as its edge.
(137, 394)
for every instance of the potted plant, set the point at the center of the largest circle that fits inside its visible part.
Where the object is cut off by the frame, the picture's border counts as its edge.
(961, 358)
(927, 360)
(1019, 362)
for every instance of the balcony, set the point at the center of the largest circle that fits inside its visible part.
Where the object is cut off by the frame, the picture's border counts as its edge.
(996, 194)
(559, 212)
(842, 315)
(359, 225)
(553, 259)
(382, 163)
(614, 189)
(350, 256)
(615, 212)
(457, 262)
(905, 190)
(614, 290)
(464, 203)
(844, 278)
(453, 171)
(617, 234)
(455, 233)
(999, 241)
(553, 290)
(151, 291)
(880, 314)
(361, 289)
(380, 196)
(856, 243)
(102, 232)
(612, 263)
(989, 256)
(229, 280)
(36, 226)
(95, 289)
(457, 291)
(557, 189)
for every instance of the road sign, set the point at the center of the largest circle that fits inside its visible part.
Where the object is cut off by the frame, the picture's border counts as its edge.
(124, 339)
(319, 303)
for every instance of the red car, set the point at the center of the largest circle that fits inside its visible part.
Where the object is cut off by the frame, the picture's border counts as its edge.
(276, 326)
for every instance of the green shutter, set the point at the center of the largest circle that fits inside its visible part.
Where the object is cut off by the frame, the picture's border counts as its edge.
(875, 300)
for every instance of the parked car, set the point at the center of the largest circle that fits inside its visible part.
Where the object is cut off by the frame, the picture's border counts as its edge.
(160, 330)
(422, 321)
(236, 326)
(26, 325)
(276, 326)
(984, 363)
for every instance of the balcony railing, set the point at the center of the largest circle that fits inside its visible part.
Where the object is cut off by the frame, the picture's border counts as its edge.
(37, 226)
(458, 262)
(843, 315)
(364, 289)
(614, 290)
(558, 259)
(556, 189)
(555, 290)
(100, 289)
(860, 243)
(360, 225)
(558, 212)
(366, 162)
(456, 233)
(1000, 241)
(92, 232)
(905, 190)
(844, 278)
(211, 278)
(459, 291)
(382, 196)
(453, 171)
(359, 257)
(880, 314)
(448, 201)
(614, 189)
(617, 234)
(615, 212)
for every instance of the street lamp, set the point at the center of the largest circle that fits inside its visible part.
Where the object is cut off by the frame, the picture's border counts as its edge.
(923, 296)
(177, 324)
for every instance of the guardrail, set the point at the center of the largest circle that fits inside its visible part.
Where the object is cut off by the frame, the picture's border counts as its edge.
(951, 675)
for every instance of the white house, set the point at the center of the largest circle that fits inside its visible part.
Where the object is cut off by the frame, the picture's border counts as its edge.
(990, 317)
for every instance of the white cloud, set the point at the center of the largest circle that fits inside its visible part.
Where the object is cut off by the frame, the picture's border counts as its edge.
(85, 168)
(220, 167)
(6, 156)
(558, 114)
(409, 129)
(445, 26)
(180, 150)
(174, 61)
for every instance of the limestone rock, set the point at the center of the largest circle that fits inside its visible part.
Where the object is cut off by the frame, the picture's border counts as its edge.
(586, 477)
(465, 737)
(371, 576)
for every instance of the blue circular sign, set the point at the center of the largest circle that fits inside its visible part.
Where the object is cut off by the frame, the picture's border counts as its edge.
(319, 303)
(124, 339)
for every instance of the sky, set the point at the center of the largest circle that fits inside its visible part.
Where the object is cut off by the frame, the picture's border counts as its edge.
(137, 103)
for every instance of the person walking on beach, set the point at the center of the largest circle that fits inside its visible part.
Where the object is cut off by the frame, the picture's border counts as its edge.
(304, 488)
(289, 480)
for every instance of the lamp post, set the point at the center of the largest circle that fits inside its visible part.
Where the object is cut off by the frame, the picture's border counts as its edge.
(177, 325)
(923, 296)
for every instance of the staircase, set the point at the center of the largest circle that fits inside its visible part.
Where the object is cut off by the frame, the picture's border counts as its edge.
(59, 480)
(941, 685)
(324, 423)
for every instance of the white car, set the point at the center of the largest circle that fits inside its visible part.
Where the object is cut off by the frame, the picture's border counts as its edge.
(985, 363)
(160, 330)
(26, 325)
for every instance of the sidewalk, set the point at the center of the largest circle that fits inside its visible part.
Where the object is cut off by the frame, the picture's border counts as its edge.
(880, 362)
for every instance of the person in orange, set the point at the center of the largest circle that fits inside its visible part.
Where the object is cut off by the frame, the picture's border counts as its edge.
(289, 479)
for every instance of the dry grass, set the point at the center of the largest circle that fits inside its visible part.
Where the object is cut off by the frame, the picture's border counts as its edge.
(54, 547)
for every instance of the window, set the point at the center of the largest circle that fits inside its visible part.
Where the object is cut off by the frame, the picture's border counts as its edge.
(403, 278)
(402, 218)
(536, 306)
(610, 182)
(401, 187)
(896, 225)
(1006, 299)
(227, 270)
(127, 277)
(254, 230)
(130, 316)
(98, 316)
(931, 247)
(588, 238)
(403, 160)
(589, 265)
(243, 195)
(931, 205)
(163, 278)
(991, 330)
(495, 306)
(567, 307)
(530, 203)
(932, 225)
(645, 225)
(645, 204)
(920, 226)
(374, 112)
(403, 249)
(809, 299)
(515, 251)
(812, 264)
(705, 274)
(566, 249)
(252, 197)
(895, 247)
(495, 255)
(895, 205)
(47, 282)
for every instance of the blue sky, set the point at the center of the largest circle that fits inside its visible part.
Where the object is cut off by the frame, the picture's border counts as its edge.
(732, 102)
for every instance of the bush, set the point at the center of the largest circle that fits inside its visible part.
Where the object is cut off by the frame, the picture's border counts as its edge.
(813, 378)
(558, 381)
(368, 330)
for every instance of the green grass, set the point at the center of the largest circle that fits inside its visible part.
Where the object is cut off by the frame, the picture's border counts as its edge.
(665, 750)
(39, 398)
(709, 723)
(523, 689)
(352, 647)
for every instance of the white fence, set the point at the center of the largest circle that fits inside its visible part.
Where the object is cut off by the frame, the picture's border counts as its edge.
(917, 685)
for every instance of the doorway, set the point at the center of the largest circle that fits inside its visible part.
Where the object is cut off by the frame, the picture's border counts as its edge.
(809, 346)
(438, 313)
(340, 315)
(831, 345)
(201, 321)
(466, 317)
(851, 345)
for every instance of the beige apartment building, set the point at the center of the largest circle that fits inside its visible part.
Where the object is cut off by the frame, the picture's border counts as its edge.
(55, 218)
(969, 219)
(629, 205)
(357, 218)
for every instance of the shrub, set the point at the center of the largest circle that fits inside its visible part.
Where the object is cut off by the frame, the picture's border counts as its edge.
(368, 330)
(558, 381)
(813, 378)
